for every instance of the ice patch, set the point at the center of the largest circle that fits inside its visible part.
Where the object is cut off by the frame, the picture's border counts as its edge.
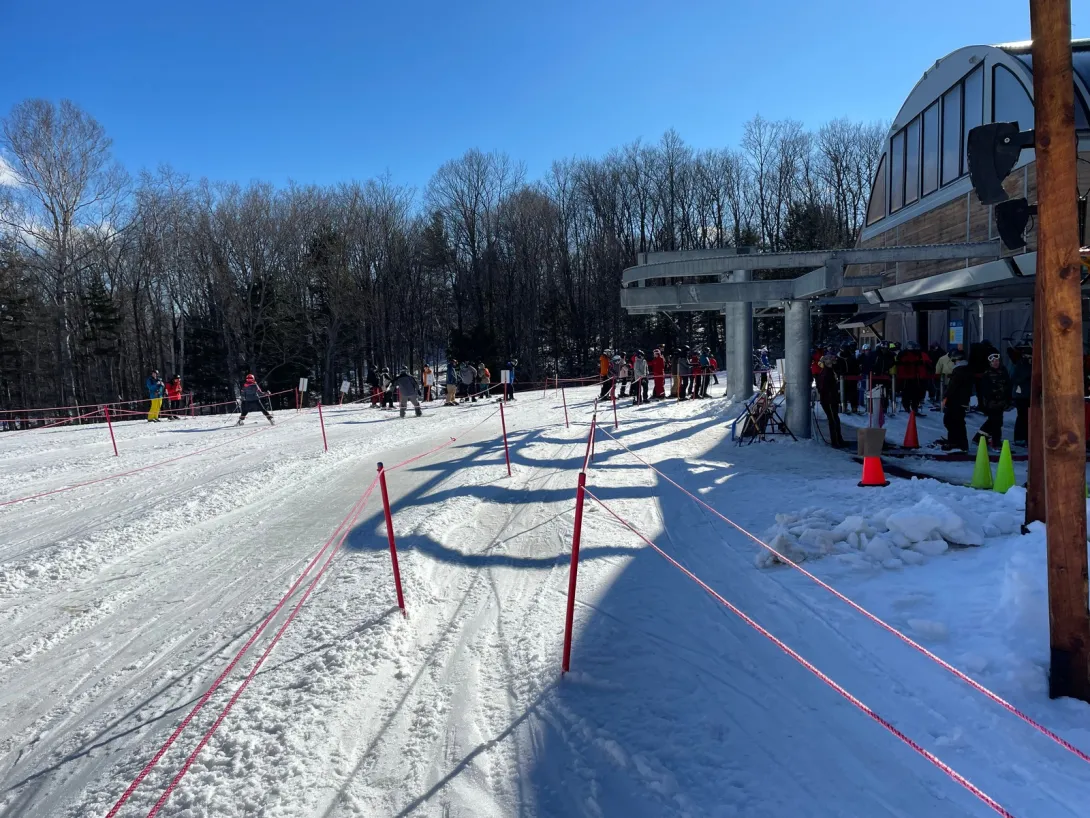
(929, 629)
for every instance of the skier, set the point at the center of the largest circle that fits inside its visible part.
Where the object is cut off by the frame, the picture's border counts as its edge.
(828, 385)
(1020, 380)
(174, 396)
(604, 361)
(387, 389)
(375, 383)
(426, 378)
(657, 366)
(251, 401)
(640, 371)
(959, 388)
(696, 378)
(509, 387)
(452, 383)
(623, 375)
(468, 375)
(484, 380)
(154, 384)
(407, 391)
(684, 370)
(994, 397)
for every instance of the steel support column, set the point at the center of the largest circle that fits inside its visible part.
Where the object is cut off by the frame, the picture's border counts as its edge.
(796, 319)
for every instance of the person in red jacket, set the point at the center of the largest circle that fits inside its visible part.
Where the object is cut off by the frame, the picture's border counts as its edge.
(174, 397)
(925, 372)
(697, 379)
(657, 365)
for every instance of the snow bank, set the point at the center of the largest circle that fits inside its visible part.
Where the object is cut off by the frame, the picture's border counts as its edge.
(905, 524)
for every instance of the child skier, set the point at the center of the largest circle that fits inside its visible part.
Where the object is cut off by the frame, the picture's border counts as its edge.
(251, 400)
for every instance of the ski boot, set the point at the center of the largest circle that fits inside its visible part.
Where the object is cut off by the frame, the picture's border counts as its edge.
(240, 421)
(271, 421)
(418, 412)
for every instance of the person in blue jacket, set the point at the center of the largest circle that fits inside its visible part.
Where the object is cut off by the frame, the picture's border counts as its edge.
(510, 385)
(154, 384)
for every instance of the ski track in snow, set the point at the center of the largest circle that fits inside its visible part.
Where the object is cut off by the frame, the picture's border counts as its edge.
(121, 602)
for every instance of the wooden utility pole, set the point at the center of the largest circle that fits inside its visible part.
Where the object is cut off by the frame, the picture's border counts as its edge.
(1058, 274)
(1035, 484)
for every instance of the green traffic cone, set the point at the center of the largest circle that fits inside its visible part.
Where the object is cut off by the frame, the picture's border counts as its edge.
(982, 471)
(1004, 472)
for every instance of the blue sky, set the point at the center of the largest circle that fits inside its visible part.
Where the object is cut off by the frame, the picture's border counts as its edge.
(329, 90)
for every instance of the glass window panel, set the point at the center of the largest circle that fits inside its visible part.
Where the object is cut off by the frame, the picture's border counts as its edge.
(951, 134)
(974, 110)
(930, 149)
(897, 172)
(1010, 102)
(912, 161)
(877, 207)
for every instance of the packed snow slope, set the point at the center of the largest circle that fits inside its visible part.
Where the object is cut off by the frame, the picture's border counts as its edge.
(122, 600)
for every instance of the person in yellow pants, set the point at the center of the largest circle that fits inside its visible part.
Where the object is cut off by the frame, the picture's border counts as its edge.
(154, 385)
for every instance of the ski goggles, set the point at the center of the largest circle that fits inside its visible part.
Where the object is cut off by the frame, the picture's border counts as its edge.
(994, 356)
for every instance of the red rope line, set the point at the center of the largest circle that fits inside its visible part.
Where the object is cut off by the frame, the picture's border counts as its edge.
(354, 514)
(938, 762)
(17, 432)
(357, 507)
(995, 697)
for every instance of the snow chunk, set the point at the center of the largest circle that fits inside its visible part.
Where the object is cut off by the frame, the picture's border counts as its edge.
(1004, 522)
(817, 538)
(879, 549)
(852, 524)
(912, 558)
(931, 548)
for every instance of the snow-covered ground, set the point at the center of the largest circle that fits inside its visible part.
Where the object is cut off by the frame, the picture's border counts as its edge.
(121, 601)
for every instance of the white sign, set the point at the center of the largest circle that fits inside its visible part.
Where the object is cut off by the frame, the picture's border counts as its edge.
(425, 378)
(302, 384)
(344, 387)
(505, 376)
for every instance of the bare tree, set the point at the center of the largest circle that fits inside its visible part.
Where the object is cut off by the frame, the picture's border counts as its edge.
(68, 199)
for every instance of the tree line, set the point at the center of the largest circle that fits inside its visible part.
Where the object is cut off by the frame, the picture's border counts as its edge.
(104, 275)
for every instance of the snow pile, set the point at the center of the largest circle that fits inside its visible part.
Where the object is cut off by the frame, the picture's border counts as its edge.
(927, 519)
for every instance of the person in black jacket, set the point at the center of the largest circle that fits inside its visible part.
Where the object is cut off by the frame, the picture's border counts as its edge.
(994, 398)
(956, 403)
(828, 385)
(251, 401)
(1020, 382)
(849, 368)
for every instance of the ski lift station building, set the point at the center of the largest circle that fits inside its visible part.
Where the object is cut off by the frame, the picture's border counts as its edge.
(928, 259)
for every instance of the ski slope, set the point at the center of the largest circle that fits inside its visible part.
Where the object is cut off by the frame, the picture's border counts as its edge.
(122, 600)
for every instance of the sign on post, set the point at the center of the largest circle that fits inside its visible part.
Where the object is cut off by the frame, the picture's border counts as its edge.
(505, 376)
(344, 387)
(302, 384)
(957, 332)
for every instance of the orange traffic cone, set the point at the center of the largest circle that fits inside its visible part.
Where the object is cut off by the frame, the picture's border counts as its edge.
(872, 473)
(912, 440)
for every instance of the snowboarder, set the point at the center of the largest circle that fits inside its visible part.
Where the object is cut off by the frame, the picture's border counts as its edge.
(251, 401)
(407, 391)
(959, 389)
(154, 384)
(828, 385)
(994, 397)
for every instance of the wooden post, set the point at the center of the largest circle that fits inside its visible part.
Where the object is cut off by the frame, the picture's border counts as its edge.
(1061, 308)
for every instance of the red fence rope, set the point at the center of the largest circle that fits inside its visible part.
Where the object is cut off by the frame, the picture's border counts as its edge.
(238, 656)
(351, 519)
(938, 762)
(995, 697)
(62, 422)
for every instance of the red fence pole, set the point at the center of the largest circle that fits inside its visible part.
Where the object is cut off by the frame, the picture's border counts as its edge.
(321, 420)
(390, 535)
(110, 426)
(564, 397)
(297, 400)
(614, 411)
(573, 571)
(506, 456)
(590, 440)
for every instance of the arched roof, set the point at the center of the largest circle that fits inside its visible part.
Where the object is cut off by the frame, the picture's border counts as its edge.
(990, 74)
